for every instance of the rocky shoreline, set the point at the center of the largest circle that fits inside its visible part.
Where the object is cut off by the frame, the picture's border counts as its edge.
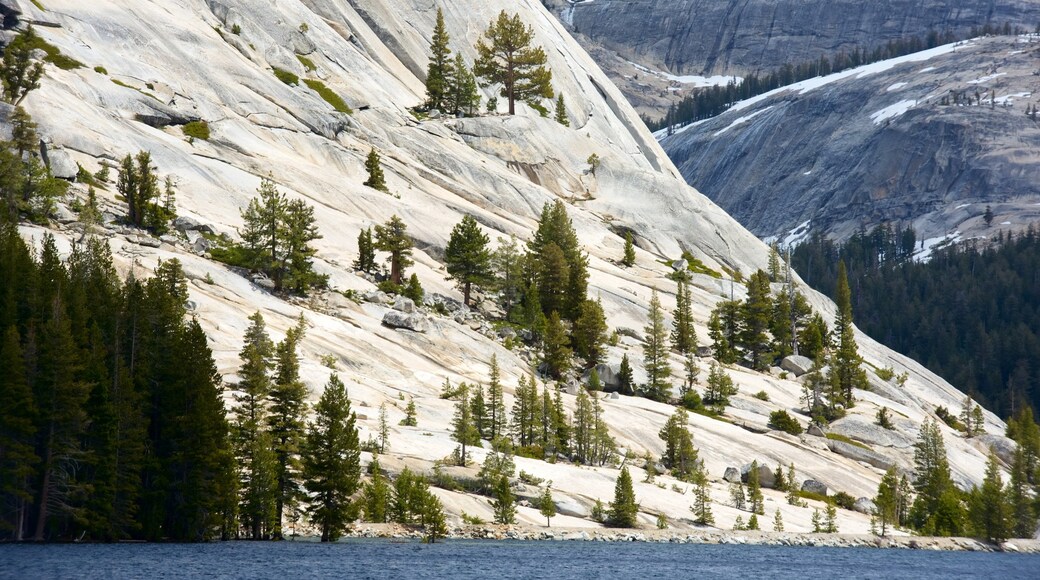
(676, 536)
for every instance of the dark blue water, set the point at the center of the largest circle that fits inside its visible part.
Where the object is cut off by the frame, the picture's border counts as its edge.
(359, 559)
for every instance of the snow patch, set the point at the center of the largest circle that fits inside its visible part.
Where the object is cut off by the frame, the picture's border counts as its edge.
(928, 246)
(695, 80)
(797, 235)
(962, 206)
(742, 120)
(1010, 99)
(808, 172)
(895, 87)
(985, 79)
(926, 69)
(892, 111)
(1005, 223)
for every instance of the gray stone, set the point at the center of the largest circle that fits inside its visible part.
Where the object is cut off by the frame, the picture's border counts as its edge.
(613, 396)
(864, 505)
(732, 475)
(377, 297)
(629, 332)
(263, 281)
(680, 265)
(396, 319)
(857, 453)
(869, 433)
(490, 309)
(185, 223)
(63, 215)
(168, 239)
(796, 365)
(449, 304)
(815, 430)
(766, 477)
(207, 229)
(201, 245)
(403, 304)
(608, 376)
(506, 332)
(813, 486)
(1002, 446)
(703, 351)
(148, 241)
(61, 163)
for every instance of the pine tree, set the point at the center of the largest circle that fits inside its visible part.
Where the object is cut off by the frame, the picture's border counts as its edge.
(817, 522)
(375, 499)
(720, 388)
(464, 430)
(722, 330)
(504, 502)
(410, 419)
(655, 353)
(774, 263)
(737, 495)
(684, 334)
(987, 216)
(254, 446)
(288, 407)
(138, 185)
(384, 429)
(392, 237)
(988, 508)
(439, 72)
(584, 426)
(467, 256)
(624, 509)
(263, 228)
(463, 97)
(626, 382)
(366, 260)
(792, 487)
(561, 273)
(413, 290)
(680, 455)
(755, 317)
(628, 259)
(331, 461)
(846, 373)
(702, 498)
(887, 501)
(433, 518)
(374, 167)
(831, 522)
(296, 267)
(937, 509)
(19, 74)
(546, 505)
(561, 111)
(525, 404)
(778, 521)
(755, 490)
(589, 334)
(505, 56)
(17, 430)
(494, 405)
(556, 352)
(752, 523)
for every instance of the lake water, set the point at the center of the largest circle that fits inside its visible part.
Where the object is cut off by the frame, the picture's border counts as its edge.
(358, 559)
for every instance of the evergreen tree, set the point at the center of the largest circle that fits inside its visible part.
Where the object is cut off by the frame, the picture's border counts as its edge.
(505, 56)
(413, 290)
(561, 273)
(439, 72)
(626, 382)
(331, 461)
(792, 487)
(374, 167)
(254, 445)
(17, 431)
(464, 430)
(384, 429)
(556, 352)
(139, 186)
(1022, 514)
(589, 335)
(755, 317)
(524, 412)
(504, 502)
(737, 495)
(684, 334)
(584, 428)
(561, 111)
(988, 510)
(19, 74)
(297, 266)
(375, 498)
(722, 329)
(288, 407)
(494, 405)
(887, 501)
(433, 518)
(464, 97)
(468, 257)
(702, 498)
(817, 522)
(628, 259)
(778, 521)
(831, 522)
(755, 490)
(509, 264)
(366, 260)
(720, 388)
(846, 373)
(937, 509)
(680, 455)
(276, 238)
(410, 419)
(774, 263)
(392, 237)
(624, 509)
(546, 505)
(655, 353)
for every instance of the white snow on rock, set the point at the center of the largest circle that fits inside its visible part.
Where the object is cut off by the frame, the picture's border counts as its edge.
(892, 111)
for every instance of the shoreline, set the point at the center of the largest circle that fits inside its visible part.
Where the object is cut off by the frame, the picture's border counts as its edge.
(694, 536)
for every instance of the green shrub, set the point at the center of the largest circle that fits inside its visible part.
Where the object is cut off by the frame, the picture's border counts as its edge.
(39, 5)
(286, 76)
(307, 63)
(530, 479)
(196, 130)
(844, 439)
(697, 267)
(814, 496)
(844, 500)
(472, 520)
(86, 177)
(101, 70)
(691, 400)
(330, 97)
(781, 420)
(236, 29)
(762, 396)
(951, 420)
(886, 374)
(389, 287)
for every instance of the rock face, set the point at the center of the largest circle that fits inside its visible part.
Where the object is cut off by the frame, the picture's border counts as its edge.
(865, 505)
(857, 453)
(859, 429)
(732, 475)
(397, 319)
(797, 365)
(766, 477)
(813, 486)
(926, 140)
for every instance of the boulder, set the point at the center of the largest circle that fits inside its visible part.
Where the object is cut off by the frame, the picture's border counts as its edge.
(449, 304)
(864, 505)
(201, 245)
(703, 351)
(60, 163)
(613, 396)
(507, 332)
(403, 304)
(732, 475)
(608, 376)
(184, 223)
(680, 265)
(797, 365)
(168, 239)
(63, 215)
(491, 310)
(869, 433)
(813, 486)
(377, 297)
(263, 281)
(857, 453)
(148, 241)
(815, 430)
(766, 477)
(1002, 446)
(396, 319)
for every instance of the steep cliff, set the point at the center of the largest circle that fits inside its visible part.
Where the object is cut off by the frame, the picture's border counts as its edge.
(928, 140)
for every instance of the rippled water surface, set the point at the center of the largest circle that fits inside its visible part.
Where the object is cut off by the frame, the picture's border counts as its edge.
(358, 559)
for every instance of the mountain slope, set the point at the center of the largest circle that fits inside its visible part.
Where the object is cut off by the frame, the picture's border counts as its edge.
(181, 60)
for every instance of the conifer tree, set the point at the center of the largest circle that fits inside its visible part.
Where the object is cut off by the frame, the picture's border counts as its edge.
(722, 330)
(831, 522)
(561, 272)
(626, 382)
(138, 184)
(684, 334)
(433, 518)
(413, 290)
(887, 501)
(286, 421)
(505, 56)
(392, 237)
(17, 430)
(331, 461)
(366, 260)
(702, 498)
(589, 335)
(774, 263)
(19, 74)
(988, 510)
(680, 455)
(755, 490)
(374, 167)
(255, 454)
(525, 404)
(439, 72)
(494, 405)
(817, 522)
(778, 521)
(556, 352)
(755, 317)
(720, 388)
(937, 509)
(468, 257)
(624, 509)
(464, 430)
(628, 259)
(296, 267)
(752, 523)
(846, 373)
(504, 502)
(655, 353)
(584, 428)
(561, 111)
(375, 499)
(792, 486)
(410, 419)
(384, 429)
(546, 505)
(737, 495)
(463, 97)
